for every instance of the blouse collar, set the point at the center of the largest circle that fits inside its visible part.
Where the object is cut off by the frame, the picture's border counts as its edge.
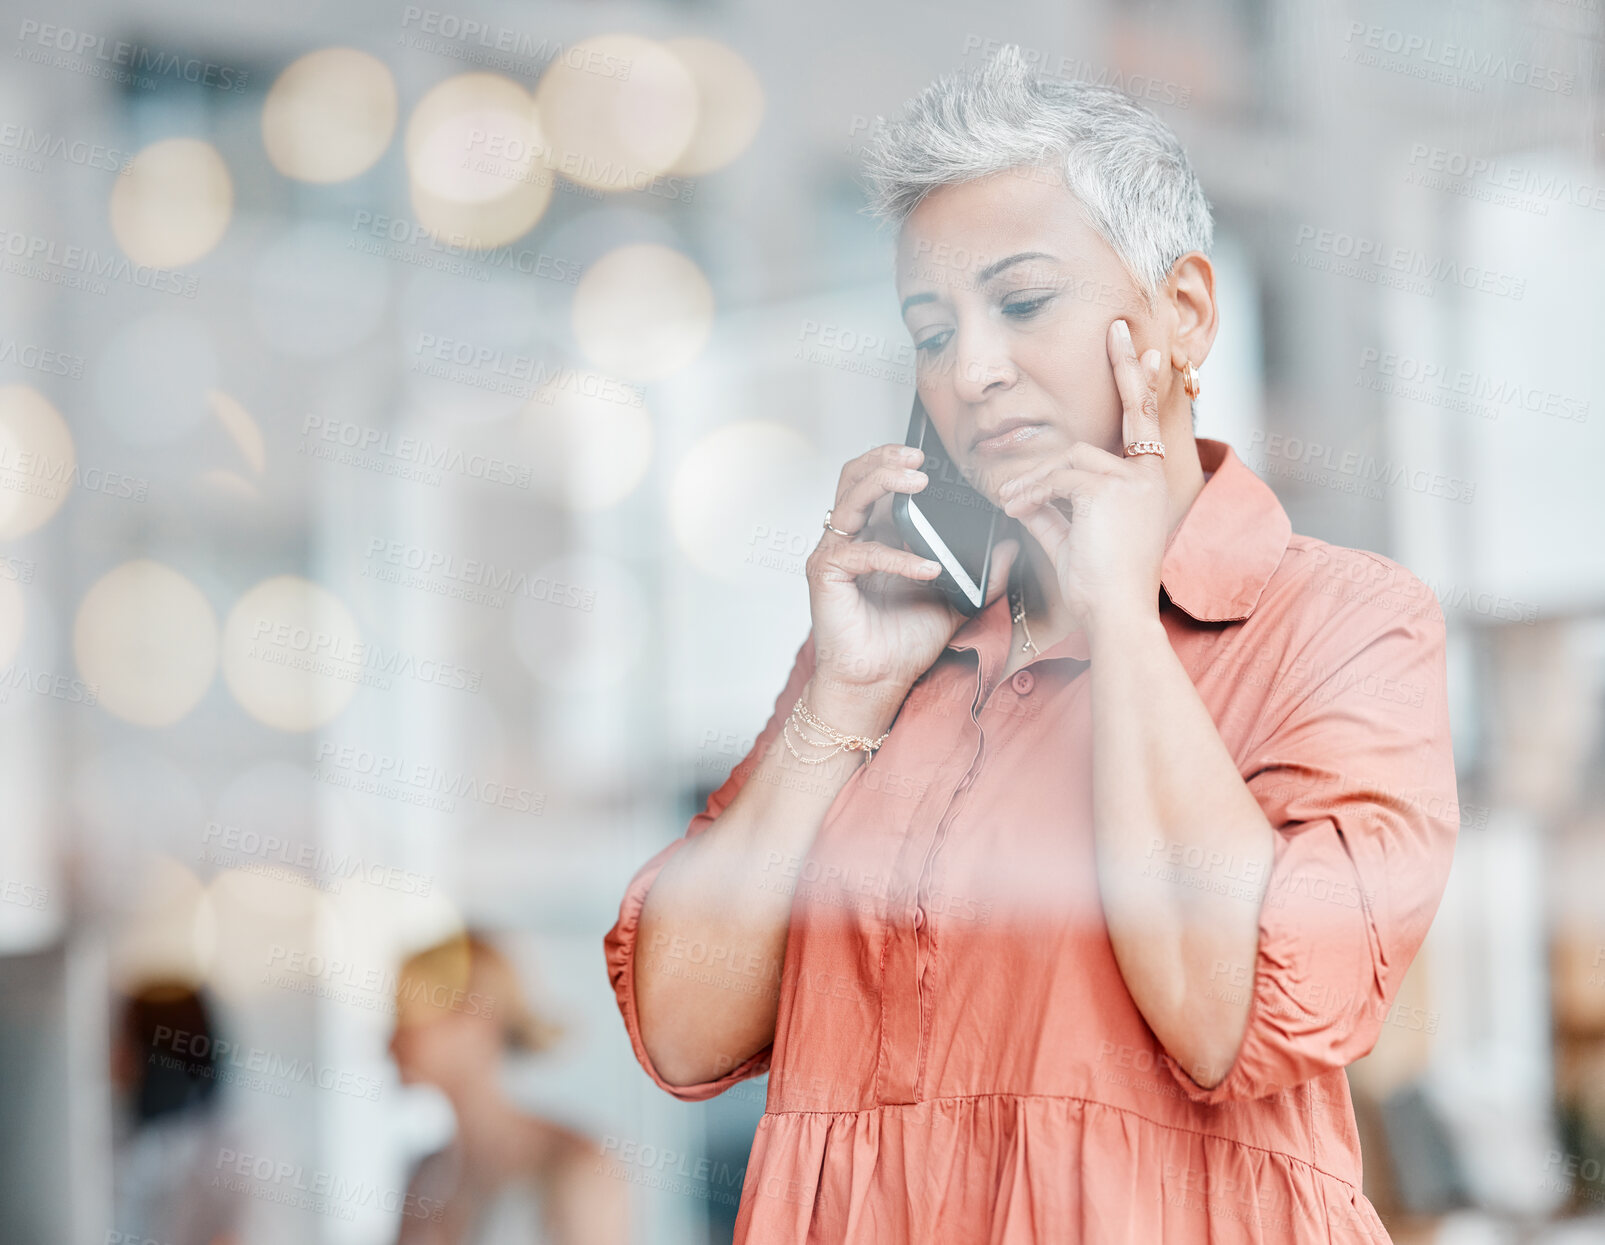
(1216, 564)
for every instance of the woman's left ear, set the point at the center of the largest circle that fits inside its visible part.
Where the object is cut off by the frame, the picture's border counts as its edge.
(1191, 290)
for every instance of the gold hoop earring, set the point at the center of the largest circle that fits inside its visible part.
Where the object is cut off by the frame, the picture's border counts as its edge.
(1189, 378)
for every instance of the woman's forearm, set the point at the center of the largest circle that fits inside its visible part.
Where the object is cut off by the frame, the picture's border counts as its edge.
(713, 927)
(1183, 849)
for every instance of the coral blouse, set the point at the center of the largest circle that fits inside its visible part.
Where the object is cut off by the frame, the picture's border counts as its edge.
(956, 1056)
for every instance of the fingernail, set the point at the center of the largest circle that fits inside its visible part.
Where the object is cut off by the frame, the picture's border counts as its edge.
(1123, 329)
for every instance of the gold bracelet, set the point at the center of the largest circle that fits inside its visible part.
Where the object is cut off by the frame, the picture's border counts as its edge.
(859, 743)
(785, 735)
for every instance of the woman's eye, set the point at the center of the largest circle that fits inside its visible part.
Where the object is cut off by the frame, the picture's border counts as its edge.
(1024, 308)
(934, 342)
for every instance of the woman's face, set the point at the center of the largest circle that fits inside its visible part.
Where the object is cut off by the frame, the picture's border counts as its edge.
(444, 1048)
(1008, 294)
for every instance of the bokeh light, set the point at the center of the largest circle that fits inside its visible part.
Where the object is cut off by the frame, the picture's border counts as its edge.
(146, 638)
(643, 310)
(730, 104)
(591, 439)
(168, 932)
(37, 460)
(330, 115)
(174, 203)
(266, 927)
(476, 161)
(619, 110)
(292, 653)
(743, 476)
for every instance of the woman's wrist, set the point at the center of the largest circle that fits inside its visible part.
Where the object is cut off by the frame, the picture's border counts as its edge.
(853, 708)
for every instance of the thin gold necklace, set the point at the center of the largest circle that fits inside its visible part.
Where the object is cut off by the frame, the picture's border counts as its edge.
(1017, 600)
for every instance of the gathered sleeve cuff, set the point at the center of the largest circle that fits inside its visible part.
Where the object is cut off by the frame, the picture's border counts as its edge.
(1358, 781)
(620, 942)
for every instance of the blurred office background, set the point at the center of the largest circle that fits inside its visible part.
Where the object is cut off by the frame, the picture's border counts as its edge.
(403, 519)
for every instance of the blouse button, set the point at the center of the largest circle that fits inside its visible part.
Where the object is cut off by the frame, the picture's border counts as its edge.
(1023, 682)
(919, 917)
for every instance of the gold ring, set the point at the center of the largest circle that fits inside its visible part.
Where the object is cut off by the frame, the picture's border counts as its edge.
(837, 530)
(1134, 448)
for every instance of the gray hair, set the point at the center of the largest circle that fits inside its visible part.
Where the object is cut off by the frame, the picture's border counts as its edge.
(1123, 164)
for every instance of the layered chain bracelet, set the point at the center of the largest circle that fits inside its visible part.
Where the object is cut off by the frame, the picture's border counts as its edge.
(801, 717)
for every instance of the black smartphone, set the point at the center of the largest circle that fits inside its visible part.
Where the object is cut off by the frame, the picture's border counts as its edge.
(948, 521)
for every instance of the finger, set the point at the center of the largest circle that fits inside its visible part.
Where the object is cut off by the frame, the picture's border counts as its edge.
(1058, 482)
(853, 506)
(892, 454)
(861, 557)
(1049, 528)
(1089, 457)
(1138, 382)
(1082, 455)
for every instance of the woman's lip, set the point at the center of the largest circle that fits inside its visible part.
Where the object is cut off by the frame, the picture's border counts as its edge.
(1007, 439)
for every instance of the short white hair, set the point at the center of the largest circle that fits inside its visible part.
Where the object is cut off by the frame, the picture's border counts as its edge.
(1124, 164)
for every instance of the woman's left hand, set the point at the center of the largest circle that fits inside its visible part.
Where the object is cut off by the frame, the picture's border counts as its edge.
(1107, 550)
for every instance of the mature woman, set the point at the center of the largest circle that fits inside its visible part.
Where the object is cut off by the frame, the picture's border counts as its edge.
(1060, 922)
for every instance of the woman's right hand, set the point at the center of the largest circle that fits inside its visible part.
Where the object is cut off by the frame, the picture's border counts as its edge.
(878, 619)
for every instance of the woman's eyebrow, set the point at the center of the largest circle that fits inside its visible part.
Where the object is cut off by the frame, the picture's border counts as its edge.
(982, 277)
(992, 270)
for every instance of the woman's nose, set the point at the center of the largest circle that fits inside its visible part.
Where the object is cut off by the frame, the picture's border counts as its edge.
(980, 365)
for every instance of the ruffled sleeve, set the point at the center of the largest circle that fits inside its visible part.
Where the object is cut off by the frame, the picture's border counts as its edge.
(1358, 780)
(619, 944)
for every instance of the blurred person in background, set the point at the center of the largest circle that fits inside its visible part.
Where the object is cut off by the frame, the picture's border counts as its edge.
(507, 1177)
(1060, 922)
(169, 1131)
